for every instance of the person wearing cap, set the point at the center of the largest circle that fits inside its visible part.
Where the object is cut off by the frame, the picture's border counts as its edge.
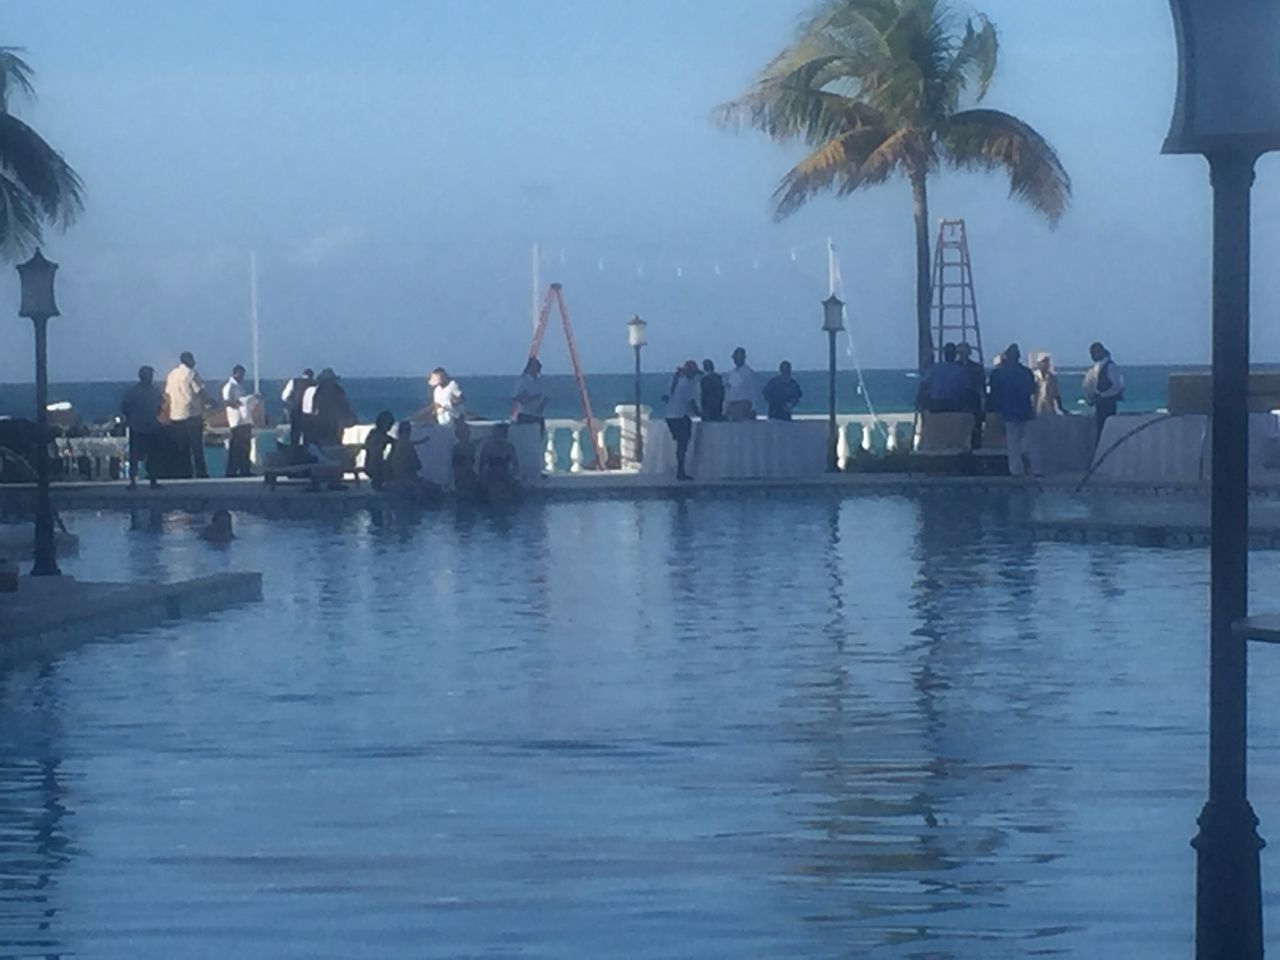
(446, 397)
(185, 394)
(328, 412)
(782, 393)
(682, 407)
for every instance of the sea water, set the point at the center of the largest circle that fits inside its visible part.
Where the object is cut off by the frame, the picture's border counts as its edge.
(885, 391)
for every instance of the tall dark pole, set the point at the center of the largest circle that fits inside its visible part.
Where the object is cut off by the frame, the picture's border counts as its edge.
(639, 425)
(46, 561)
(1228, 881)
(833, 457)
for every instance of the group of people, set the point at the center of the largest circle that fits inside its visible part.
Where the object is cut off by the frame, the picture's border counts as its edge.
(1017, 393)
(167, 422)
(738, 395)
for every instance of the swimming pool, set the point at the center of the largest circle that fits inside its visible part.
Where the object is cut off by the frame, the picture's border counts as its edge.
(803, 727)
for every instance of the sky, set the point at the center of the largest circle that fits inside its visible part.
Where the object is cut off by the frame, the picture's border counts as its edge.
(391, 164)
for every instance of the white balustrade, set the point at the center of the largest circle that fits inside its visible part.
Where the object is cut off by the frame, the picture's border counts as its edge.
(842, 445)
(868, 441)
(549, 455)
(891, 438)
(575, 450)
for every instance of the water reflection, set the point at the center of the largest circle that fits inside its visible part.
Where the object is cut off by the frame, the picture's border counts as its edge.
(34, 846)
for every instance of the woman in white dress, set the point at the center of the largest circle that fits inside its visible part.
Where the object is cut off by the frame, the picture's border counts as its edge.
(1048, 402)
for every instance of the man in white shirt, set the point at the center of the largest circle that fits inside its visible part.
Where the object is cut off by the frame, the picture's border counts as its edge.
(291, 397)
(682, 406)
(529, 399)
(238, 402)
(185, 397)
(446, 397)
(741, 389)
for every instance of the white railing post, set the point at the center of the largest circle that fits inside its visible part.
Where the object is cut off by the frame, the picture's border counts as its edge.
(601, 446)
(575, 451)
(890, 437)
(549, 455)
(868, 442)
(842, 445)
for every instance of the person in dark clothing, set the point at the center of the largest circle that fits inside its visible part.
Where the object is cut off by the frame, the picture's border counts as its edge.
(782, 393)
(140, 407)
(1011, 392)
(375, 450)
(292, 399)
(331, 412)
(711, 392)
(945, 386)
(975, 399)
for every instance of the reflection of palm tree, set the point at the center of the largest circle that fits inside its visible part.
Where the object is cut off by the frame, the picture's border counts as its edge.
(874, 88)
(36, 185)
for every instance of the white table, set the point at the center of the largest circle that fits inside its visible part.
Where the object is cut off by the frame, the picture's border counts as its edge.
(750, 449)
(436, 453)
(1176, 448)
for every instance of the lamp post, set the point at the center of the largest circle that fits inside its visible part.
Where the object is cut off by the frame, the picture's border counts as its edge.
(36, 278)
(833, 323)
(636, 337)
(1228, 109)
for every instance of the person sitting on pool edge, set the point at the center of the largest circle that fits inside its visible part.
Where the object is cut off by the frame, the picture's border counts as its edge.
(404, 467)
(499, 467)
(375, 449)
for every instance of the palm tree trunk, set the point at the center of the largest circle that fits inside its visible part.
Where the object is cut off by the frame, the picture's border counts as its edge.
(924, 270)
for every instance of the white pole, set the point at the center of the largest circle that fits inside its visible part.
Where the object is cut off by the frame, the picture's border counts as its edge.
(534, 305)
(253, 319)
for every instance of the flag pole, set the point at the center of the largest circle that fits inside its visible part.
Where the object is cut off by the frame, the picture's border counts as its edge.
(253, 319)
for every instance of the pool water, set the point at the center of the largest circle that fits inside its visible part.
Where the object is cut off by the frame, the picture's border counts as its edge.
(745, 727)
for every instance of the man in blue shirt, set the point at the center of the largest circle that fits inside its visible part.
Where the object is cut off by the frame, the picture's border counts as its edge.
(945, 386)
(1010, 390)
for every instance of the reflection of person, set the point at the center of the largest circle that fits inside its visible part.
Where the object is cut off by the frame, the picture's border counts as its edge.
(682, 406)
(499, 465)
(446, 397)
(376, 443)
(140, 408)
(529, 397)
(463, 461)
(240, 419)
(219, 528)
(185, 395)
(782, 393)
(740, 388)
(711, 389)
(1048, 396)
(1103, 384)
(1011, 389)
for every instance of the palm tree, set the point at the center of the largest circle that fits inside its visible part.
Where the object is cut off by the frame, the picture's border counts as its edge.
(37, 186)
(882, 87)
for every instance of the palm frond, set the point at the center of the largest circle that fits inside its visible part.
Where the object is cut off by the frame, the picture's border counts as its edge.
(19, 219)
(55, 189)
(783, 111)
(975, 59)
(992, 140)
(844, 163)
(15, 75)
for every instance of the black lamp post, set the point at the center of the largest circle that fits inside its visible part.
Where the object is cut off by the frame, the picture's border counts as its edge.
(36, 277)
(833, 323)
(1228, 109)
(636, 337)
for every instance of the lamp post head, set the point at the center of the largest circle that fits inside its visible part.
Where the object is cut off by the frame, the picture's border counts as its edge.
(833, 314)
(1228, 76)
(36, 278)
(636, 331)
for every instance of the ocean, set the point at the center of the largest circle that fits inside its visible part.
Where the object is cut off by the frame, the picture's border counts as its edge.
(886, 391)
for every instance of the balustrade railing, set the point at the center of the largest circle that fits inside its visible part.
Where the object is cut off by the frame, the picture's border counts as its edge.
(565, 450)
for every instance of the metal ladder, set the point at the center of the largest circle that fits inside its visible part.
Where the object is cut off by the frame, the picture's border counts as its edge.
(954, 305)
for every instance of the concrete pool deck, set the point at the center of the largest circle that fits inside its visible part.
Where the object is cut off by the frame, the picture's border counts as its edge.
(48, 615)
